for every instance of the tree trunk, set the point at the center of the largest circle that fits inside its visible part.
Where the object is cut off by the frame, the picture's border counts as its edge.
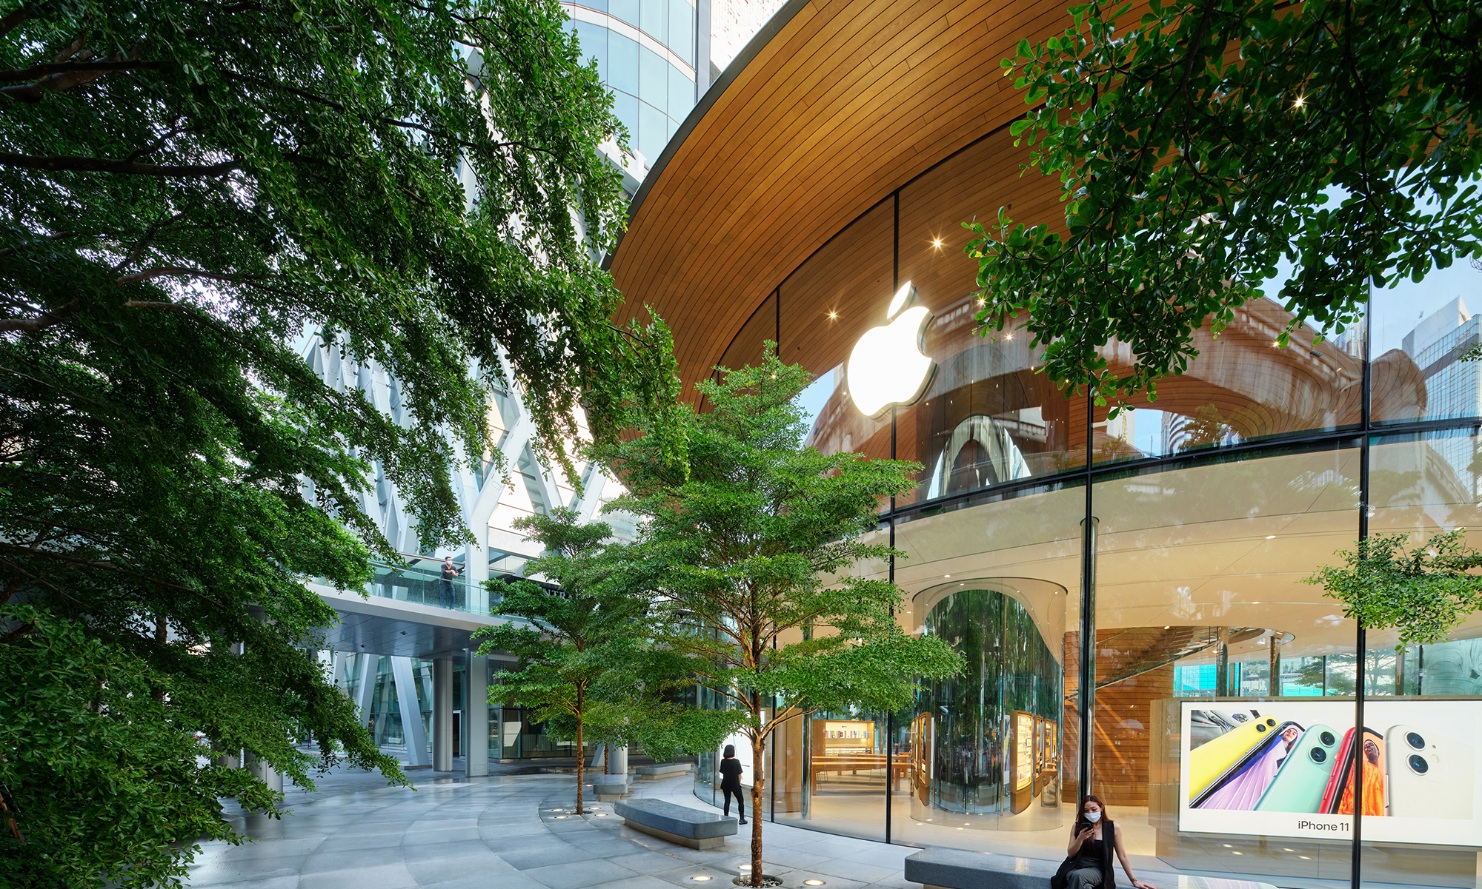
(758, 781)
(581, 757)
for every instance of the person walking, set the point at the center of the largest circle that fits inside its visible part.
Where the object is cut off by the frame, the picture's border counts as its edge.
(730, 782)
(1088, 862)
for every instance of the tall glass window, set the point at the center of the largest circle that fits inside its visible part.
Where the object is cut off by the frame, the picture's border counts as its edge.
(1202, 569)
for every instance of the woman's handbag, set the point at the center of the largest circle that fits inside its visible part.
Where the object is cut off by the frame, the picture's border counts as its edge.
(1066, 866)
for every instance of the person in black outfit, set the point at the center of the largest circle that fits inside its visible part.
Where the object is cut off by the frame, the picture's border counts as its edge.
(730, 781)
(445, 591)
(1088, 864)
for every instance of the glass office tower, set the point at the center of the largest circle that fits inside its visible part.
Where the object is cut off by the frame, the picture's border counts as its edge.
(655, 57)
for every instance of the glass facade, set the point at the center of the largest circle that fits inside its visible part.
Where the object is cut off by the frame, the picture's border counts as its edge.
(646, 51)
(1130, 591)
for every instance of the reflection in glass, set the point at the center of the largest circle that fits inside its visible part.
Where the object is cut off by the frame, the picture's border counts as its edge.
(984, 746)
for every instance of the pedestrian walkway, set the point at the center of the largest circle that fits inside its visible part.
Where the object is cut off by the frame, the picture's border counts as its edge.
(510, 832)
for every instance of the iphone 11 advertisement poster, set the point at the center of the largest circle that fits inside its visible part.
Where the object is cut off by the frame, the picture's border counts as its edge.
(1296, 768)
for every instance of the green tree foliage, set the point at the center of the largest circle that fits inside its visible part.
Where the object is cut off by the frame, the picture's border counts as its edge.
(185, 189)
(579, 655)
(751, 558)
(1204, 143)
(1422, 593)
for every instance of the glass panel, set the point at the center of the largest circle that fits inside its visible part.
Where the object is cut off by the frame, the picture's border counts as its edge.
(681, 93)
(682, 30)
(1198, 755)
(653, 80)
(623, 63)
(1425, 704)
(594, 45)
(655, 19)
(1241, 388)
(627, 10)
(982, 753)
(830, 767)
(828, 304)
(1419, 332)
(987, 418)
(651, 131)
(626, 109)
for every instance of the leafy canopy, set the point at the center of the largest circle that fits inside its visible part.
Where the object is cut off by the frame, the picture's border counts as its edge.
(579, 656)
(186, 189)
(1204, 144)
(1422, 593)
(756, 559)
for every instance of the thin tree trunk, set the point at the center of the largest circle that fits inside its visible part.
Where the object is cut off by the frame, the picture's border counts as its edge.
(581, 757)
(758, 781)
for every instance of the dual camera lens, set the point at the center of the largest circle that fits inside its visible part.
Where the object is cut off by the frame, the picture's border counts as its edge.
(1418, 765)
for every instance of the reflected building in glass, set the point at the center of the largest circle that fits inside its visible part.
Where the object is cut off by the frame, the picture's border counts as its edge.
(1130, 592)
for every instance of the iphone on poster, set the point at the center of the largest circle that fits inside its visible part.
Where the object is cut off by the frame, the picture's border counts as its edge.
(1430, 775)
(1299, 783)
(1337, 798)
(1215, 758)
(1248, 777)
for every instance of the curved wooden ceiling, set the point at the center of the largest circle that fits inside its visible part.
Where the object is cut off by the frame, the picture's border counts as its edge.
(832, 107)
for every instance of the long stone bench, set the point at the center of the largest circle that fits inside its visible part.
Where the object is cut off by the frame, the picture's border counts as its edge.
(659, 770)
(695, 828)
(958, 869)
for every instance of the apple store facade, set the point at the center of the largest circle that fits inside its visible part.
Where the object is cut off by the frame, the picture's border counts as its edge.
(1130, 593)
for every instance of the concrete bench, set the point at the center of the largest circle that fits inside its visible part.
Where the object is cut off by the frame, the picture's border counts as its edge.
(610, 787)
(695, 828)
(958, 869)
(659, 770)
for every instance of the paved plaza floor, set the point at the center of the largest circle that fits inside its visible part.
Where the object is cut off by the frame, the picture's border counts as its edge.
(517, 830)
(510, 832)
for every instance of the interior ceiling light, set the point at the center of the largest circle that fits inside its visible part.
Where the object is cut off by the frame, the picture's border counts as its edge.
(700, 878)
(833, 316)
(813, 882)
(937, 243)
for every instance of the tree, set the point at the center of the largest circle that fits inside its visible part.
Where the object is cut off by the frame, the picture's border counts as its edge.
(186, 188)
(1422, 593)
(582, 634)
(749, 555)
(1201, 145)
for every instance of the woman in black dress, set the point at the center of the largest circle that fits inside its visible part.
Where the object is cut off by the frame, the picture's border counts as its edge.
(730, 781)
(1092, 842)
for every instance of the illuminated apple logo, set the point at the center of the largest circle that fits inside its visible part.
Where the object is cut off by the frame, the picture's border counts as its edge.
(887, 365)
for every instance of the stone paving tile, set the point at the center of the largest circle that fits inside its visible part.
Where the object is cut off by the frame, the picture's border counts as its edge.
(579, 874)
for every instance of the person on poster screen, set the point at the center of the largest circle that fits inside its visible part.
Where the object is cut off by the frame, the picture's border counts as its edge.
(1373, 778)
(730, 782)
(1088, 862)
(1244, 789)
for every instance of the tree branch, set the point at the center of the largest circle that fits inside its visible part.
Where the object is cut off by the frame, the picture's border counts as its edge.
(22, 15)
(45, 320)
(52, 69)
(108, 165)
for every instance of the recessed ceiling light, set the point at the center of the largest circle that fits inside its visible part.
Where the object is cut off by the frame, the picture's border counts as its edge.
(1270, 536)
(1305, 857)
(700, 878)
(833, 316)
(947, 576)
(937, 243)
(560, 817)
(813, 883)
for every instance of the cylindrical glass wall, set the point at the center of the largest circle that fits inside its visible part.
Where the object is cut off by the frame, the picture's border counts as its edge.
(985, 744)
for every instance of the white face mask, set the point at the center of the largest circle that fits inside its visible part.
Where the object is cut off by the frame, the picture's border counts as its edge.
(1093, 817)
